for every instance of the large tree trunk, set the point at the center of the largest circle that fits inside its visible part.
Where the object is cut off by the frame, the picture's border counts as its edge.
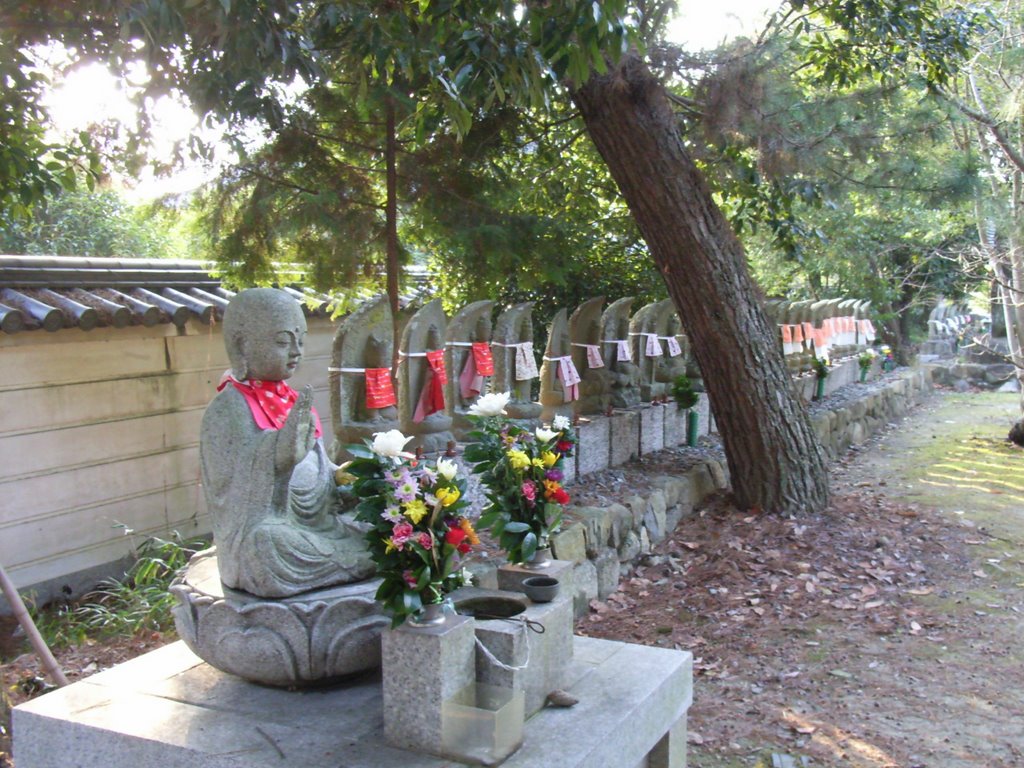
(775, 461)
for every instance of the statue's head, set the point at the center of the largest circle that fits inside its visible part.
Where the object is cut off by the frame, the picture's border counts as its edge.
(264, 333)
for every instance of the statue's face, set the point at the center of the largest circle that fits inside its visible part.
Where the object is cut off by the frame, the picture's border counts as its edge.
(275, 354)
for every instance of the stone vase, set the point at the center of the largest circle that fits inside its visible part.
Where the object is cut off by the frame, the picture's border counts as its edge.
(430, 615)
(541, 559)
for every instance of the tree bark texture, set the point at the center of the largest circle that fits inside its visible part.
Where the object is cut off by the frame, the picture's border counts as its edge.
(775, 460)
(392, 265)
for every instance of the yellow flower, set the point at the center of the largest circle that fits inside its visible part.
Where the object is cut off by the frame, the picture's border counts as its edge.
(518, 459)
(389, 546)
(539, 463)
(549, 458)
(415, 510)
(467, 526)
(447, 496)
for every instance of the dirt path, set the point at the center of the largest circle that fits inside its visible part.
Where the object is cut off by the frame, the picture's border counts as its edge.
(885, 632)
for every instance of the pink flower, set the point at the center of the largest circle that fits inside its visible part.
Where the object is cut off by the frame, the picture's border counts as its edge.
(409, 577)
(426, 541)
(401, 533)
(529, 491)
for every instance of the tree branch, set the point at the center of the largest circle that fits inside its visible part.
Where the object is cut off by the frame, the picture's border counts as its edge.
(982, 117)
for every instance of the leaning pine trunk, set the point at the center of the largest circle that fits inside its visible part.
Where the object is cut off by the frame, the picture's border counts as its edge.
(775, 461)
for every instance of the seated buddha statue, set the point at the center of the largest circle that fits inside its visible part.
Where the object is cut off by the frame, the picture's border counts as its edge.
(268, 482)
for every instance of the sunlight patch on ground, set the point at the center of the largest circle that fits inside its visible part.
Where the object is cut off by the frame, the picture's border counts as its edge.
(841, 743)
(980, 464)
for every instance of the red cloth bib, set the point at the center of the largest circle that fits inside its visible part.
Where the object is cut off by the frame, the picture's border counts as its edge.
(483, 359)
(270, 402)
(380, 392)
(432, 397)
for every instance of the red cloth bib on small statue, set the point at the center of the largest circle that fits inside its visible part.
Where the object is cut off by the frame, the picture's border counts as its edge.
(270, 402)
(380, 392)
(432, 397)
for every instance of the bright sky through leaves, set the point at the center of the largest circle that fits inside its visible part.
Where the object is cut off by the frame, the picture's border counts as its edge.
(703, 25)
(91, 94)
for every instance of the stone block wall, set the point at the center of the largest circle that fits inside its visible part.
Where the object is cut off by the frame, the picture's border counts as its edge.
(963, 376)
(855, 420)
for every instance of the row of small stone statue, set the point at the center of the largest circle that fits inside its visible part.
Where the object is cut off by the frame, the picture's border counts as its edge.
(946, 320)
(830, 328)
(595, 359)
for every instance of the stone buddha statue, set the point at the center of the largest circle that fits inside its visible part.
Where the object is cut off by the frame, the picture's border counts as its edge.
(268, 482)
(625, 375)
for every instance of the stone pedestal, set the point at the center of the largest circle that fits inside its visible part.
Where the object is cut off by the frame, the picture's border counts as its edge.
(545, 655)
(706, 421)
(169, 709)
(593, 450)
(423, 667)
(624, 434)
(675, 425)
(308, 639)
(511, 575)
(652, 429)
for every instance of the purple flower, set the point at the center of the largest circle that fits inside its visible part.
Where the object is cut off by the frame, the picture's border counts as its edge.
(407, 491)
(554, 474)
(392, 514)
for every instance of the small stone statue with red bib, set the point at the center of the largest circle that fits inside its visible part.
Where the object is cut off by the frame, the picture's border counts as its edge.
(268, 482)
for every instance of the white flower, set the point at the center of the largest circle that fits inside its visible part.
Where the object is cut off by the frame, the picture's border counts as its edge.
(447, 469)
(560, 423)
(390, 444)
(491, 404)
(545, 435)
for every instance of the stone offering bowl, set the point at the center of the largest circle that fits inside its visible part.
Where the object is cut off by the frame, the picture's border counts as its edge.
(541, 589)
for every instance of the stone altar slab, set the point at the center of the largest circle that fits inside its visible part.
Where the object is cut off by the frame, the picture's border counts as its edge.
(171, 709)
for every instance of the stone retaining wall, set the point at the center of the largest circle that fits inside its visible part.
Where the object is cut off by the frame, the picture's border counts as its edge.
(962, 376)
(854, 420)
(606, 542)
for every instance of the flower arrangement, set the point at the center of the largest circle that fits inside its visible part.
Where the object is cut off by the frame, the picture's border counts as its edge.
(888, 361)
(417, 536)
(866, 359)
(522, 471)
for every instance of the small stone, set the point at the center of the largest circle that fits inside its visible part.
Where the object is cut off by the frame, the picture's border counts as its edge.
(560, 698)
